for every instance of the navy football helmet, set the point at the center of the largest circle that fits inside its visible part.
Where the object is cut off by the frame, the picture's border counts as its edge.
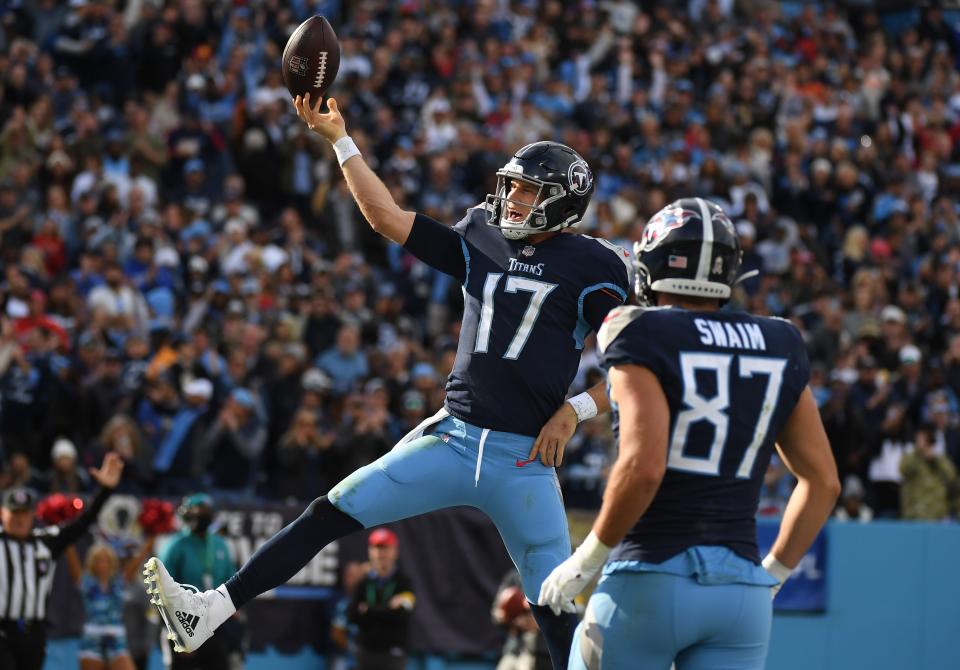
(687, 248)
(564, 182)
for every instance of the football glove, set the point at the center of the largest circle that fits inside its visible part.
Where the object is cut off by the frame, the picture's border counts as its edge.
(570, 577)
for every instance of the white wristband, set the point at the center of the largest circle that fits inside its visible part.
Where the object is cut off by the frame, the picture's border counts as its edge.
(593, 553)
(583, 406)
(777, 570)
(345, 148)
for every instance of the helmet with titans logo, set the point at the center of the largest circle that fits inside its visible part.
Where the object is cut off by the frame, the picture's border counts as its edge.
(687, 248)
(564, 184)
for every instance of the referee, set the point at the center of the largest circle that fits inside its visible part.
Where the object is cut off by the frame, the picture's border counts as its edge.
(27, 560)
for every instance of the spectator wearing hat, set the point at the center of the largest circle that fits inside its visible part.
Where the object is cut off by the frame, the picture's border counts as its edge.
(381, 607)
(316, 390)
(178, 461)
(929, 485)
(65, 475)
(233, 444)
(893, 336)
(853, 506)
(24, 587)
(197, 555)
(909, 387)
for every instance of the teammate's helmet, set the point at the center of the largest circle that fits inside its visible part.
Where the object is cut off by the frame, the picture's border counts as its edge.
(565, 185)
(687, 248)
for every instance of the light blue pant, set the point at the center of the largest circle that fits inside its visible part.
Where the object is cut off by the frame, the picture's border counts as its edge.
(648, 620)
(441, 470)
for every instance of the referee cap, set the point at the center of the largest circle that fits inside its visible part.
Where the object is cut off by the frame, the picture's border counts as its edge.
(19, 499)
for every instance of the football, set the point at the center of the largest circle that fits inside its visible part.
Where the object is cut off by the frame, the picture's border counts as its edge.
(311, 58)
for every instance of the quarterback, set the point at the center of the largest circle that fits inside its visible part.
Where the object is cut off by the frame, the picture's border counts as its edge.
(531, 296)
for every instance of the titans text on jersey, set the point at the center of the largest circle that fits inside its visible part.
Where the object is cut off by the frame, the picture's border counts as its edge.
(527, 310)
(731, 381)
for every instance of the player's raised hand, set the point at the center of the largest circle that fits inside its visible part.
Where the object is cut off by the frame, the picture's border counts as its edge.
(554, 436)
(330, 124)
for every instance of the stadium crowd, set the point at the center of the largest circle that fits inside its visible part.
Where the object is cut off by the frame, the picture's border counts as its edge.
(188, 283)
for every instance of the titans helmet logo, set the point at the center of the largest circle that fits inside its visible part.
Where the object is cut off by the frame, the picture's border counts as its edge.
(579, 177)
(660, 225)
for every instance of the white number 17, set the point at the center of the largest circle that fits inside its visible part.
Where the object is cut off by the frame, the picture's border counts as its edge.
(540, 291)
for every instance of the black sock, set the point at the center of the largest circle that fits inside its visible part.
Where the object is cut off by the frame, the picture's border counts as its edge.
(284, 554)
(557, 631)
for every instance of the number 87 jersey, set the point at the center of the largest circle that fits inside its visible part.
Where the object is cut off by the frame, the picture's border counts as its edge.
(731, 381)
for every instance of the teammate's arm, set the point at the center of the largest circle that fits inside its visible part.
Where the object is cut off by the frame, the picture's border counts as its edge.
(642, 461)
(379, 208)
(633, 482)
(805, 450)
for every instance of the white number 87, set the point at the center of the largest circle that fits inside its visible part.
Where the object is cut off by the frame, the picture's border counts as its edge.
(714, 410)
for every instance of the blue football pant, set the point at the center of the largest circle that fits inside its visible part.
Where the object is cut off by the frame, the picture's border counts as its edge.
(445, 468)
(648, 620)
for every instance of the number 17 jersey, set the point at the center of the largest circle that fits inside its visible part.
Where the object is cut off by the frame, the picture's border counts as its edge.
(527, 309)
(731, 381)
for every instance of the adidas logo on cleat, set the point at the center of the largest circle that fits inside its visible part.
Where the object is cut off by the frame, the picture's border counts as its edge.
(188, 621)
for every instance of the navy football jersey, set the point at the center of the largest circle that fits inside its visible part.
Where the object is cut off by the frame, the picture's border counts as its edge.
(731, 381)
(527, 310)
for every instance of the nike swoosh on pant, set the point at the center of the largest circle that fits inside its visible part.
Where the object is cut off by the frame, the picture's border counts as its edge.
(520, 463)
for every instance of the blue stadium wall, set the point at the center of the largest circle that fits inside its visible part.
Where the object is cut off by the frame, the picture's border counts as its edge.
(893, 603)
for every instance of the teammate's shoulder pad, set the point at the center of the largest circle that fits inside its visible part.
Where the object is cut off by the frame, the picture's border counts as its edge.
(616, 320)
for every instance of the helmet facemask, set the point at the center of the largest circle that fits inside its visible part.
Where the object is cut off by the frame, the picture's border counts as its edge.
(536, 220)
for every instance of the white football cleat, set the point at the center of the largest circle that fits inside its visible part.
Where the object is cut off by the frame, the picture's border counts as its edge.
(184, 610)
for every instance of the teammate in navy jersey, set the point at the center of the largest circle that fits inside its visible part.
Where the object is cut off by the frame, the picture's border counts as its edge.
(701, 398)
(531, 295)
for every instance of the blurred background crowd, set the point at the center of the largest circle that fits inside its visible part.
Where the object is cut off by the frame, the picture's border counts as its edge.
(187, 282)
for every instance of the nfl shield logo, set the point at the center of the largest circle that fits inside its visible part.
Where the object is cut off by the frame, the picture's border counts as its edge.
(527, 250)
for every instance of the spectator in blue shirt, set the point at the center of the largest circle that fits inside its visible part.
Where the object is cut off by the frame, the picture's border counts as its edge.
(344, 362)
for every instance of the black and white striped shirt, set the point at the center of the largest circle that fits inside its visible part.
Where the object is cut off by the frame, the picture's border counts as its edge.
(27, 566)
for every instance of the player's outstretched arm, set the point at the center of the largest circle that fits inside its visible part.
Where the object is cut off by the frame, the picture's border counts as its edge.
(379, 208)
(805, 449)
(633, 482)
